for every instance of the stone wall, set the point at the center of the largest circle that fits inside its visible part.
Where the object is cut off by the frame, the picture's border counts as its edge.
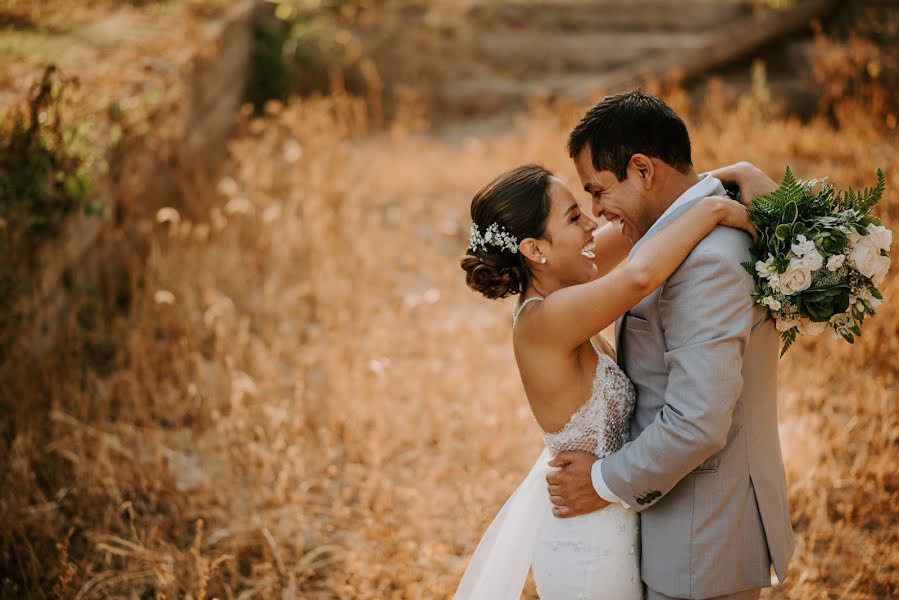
(182, 136)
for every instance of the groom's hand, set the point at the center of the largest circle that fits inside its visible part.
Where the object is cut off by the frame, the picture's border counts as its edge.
(571, 487)
(752, 181)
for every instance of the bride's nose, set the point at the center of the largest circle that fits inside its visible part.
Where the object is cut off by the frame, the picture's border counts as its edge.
(589, 224)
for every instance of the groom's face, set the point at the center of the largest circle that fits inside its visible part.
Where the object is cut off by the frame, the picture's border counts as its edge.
(621, 202)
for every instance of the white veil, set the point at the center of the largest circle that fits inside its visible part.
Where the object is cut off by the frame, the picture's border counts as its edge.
(499, 566)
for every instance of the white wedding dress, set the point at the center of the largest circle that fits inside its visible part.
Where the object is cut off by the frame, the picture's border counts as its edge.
(593, 556)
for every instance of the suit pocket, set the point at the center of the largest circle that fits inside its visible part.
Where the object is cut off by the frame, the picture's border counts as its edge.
(635, 323)
(710, 465)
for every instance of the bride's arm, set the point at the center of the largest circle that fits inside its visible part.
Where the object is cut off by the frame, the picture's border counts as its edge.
(571, 315)
(751, 180)
(612, 247)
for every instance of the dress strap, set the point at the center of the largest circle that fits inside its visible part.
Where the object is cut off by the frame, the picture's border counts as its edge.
(522, 305)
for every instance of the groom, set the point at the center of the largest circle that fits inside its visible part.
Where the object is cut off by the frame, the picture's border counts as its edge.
(703, 467)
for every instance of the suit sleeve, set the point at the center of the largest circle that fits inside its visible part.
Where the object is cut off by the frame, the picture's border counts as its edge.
(707, 315)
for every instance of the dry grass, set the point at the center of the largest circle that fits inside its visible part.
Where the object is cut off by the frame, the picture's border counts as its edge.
(305, 400)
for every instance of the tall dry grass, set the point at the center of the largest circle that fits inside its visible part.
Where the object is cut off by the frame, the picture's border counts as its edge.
(304, 400)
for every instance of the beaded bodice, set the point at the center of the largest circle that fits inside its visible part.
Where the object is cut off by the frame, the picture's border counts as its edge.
(600, 426)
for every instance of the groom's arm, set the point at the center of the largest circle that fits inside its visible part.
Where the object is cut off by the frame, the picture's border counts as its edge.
(707, 315)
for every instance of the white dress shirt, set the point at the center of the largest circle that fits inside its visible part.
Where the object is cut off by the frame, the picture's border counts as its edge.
(706, 186)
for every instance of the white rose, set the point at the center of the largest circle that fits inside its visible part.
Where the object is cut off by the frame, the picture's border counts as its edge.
(786, 324)
(866, 254)
(807, 327)
(853, 236)
(796, 278)
(881, 236)
(771, 303)
(813, 259)
(835, 262)
(880, 269)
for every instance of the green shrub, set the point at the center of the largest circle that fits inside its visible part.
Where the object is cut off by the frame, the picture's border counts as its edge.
(44, 178)
(296, 48)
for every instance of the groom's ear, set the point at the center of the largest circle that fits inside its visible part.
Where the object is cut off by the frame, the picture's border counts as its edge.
(642, 169)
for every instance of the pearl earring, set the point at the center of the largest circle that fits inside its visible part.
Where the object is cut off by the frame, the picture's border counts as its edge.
(542, 260)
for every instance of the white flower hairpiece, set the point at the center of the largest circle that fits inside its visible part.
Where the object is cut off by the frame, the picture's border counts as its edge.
(494, 236)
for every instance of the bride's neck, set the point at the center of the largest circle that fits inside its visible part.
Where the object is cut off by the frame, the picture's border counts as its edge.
(541, 286)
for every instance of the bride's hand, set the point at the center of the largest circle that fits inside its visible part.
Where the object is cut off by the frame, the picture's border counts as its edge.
(732, 214)
(752, 181)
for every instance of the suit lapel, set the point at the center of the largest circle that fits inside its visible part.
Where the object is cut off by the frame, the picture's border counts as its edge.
(619, 329)
(708, 187)
(659, 225)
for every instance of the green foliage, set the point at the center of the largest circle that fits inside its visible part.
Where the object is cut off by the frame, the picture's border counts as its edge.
(776, 214)
(44, 178)
(769, 210)
(293, 51)
(819, 305)
(864, 200)
(303, 47)
(788, 337)
(798, 202)
(831, 241)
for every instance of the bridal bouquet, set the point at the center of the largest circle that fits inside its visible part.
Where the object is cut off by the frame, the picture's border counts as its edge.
(819, 258)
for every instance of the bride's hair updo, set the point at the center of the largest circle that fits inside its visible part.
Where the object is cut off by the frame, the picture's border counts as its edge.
(518, 202)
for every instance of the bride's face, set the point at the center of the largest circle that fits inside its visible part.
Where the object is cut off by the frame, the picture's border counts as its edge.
(569, 238)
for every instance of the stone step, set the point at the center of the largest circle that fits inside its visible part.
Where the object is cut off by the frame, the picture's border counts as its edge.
(496, 93)
(614, 15)
(489, 90)
(522, 52)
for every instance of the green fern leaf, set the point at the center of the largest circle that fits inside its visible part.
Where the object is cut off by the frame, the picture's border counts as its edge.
(869, 197)
(788, 337)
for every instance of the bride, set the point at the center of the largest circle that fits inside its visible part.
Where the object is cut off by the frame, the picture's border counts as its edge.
(529, 237)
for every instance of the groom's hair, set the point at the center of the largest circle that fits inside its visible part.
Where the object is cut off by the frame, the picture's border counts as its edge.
(619, 126)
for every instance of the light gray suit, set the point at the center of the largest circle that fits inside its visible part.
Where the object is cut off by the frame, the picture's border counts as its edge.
(704, 465)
